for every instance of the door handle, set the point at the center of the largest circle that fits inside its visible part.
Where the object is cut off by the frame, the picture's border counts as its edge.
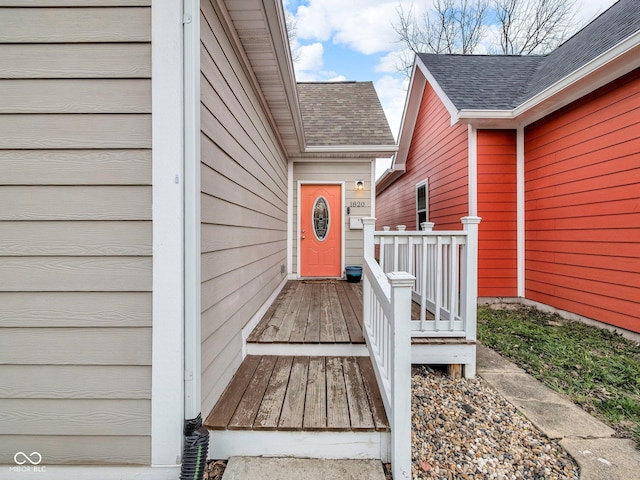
(302, 237)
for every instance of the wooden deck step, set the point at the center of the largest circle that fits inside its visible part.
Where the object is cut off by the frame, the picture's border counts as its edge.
(313, 312)
(294, 393)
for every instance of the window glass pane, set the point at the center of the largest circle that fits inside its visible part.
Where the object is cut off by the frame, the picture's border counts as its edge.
(321, 218)
(422, 217)
(422, 197)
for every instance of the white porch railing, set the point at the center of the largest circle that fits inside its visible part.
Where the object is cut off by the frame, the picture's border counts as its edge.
(445, 264)
(387, 315)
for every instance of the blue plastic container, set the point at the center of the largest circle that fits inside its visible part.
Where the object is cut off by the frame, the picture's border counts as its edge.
(354, 273)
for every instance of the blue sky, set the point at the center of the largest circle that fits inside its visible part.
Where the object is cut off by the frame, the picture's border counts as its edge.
(354, 40)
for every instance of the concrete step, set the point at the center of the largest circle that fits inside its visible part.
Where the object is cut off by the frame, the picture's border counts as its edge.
(252, 468)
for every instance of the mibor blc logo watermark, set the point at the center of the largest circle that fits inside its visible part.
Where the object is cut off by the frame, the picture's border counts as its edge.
(27, 463)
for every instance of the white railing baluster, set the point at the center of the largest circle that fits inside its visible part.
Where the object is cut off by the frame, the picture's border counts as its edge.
(438, 284)
(453, 285)
(425, 282)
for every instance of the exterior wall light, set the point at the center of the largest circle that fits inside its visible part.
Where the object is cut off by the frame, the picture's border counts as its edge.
(359, 185)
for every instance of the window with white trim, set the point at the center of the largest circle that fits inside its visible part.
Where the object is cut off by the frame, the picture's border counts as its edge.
(422, 203)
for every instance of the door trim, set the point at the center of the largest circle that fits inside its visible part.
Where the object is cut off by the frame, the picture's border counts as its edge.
(342, 226)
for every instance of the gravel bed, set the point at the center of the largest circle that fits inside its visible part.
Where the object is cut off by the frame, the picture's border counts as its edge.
(463, 429)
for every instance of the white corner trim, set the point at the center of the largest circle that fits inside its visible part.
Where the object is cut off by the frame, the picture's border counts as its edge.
(473, 170)
(167, 401)
(373, 190)
(192, 310)
(520, 209)
(290, 186)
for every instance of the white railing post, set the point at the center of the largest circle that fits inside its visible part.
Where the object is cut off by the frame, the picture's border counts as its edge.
(368, 228)
(401, 286)
(427, 226)
(470, 299)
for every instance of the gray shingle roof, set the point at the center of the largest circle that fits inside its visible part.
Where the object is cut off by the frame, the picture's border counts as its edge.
(480, 82)
(343, 114)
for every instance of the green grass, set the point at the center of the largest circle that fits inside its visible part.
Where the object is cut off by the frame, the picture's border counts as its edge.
(597, 369)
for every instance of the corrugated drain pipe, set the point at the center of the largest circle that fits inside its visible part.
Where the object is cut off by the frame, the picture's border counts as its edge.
(195, 450)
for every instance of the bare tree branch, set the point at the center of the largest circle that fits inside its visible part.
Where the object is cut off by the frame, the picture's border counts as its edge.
(533, 26)
(461, 26)
(452, 26)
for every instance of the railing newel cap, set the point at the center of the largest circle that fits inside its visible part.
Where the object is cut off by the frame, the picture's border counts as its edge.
(399, 279)
(471, 220)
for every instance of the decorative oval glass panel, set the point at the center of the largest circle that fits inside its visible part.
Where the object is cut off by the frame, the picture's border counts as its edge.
(321, 218)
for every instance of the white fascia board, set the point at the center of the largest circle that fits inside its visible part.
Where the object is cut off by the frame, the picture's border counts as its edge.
(409, 116)
(388, 178)
(465, 114)
(368, 149)
(619, 60)
(451, 108)
(622, 48)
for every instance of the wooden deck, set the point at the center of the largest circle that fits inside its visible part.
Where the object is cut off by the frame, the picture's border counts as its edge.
(310, 311)
(290, 393)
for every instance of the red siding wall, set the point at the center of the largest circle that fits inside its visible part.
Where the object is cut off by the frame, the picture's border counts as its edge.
(583, 206)
(497, 244)
(438, 153)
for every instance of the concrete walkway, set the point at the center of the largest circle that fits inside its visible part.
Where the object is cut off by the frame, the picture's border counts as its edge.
(254, 468)
(586, 439)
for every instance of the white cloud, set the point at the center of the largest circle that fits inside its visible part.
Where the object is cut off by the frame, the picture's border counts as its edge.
(392, 91)
(363, 25)
(310, 57)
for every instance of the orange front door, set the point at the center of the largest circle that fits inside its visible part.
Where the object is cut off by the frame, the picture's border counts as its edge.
(320, 231)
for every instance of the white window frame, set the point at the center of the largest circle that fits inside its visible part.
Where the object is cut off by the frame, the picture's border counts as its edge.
(425, 184)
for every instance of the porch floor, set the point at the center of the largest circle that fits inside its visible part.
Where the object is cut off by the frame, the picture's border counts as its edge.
(296, 393)
(313, 311)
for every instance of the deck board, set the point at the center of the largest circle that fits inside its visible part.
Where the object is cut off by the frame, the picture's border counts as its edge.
(353, 322)
(302, 317)
(337, 404)
(340, 331)
(315, 405)
(226, 406)
(312, 334)
(359, 411)
(293, 407)
(375, 400)
(249, 404)
(301, 394)
(271, 406)
(289, 319)
(313, 312)
(326, 325)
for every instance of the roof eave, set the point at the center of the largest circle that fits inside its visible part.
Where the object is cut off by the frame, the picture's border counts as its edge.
(350, 149)
(276, 18)
(615, 62)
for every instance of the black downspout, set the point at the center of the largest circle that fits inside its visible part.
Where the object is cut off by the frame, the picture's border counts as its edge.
(195, 450)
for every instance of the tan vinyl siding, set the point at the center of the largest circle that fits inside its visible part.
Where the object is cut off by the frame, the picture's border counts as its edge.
(243, 206)
(76, 243)
(337, 171)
